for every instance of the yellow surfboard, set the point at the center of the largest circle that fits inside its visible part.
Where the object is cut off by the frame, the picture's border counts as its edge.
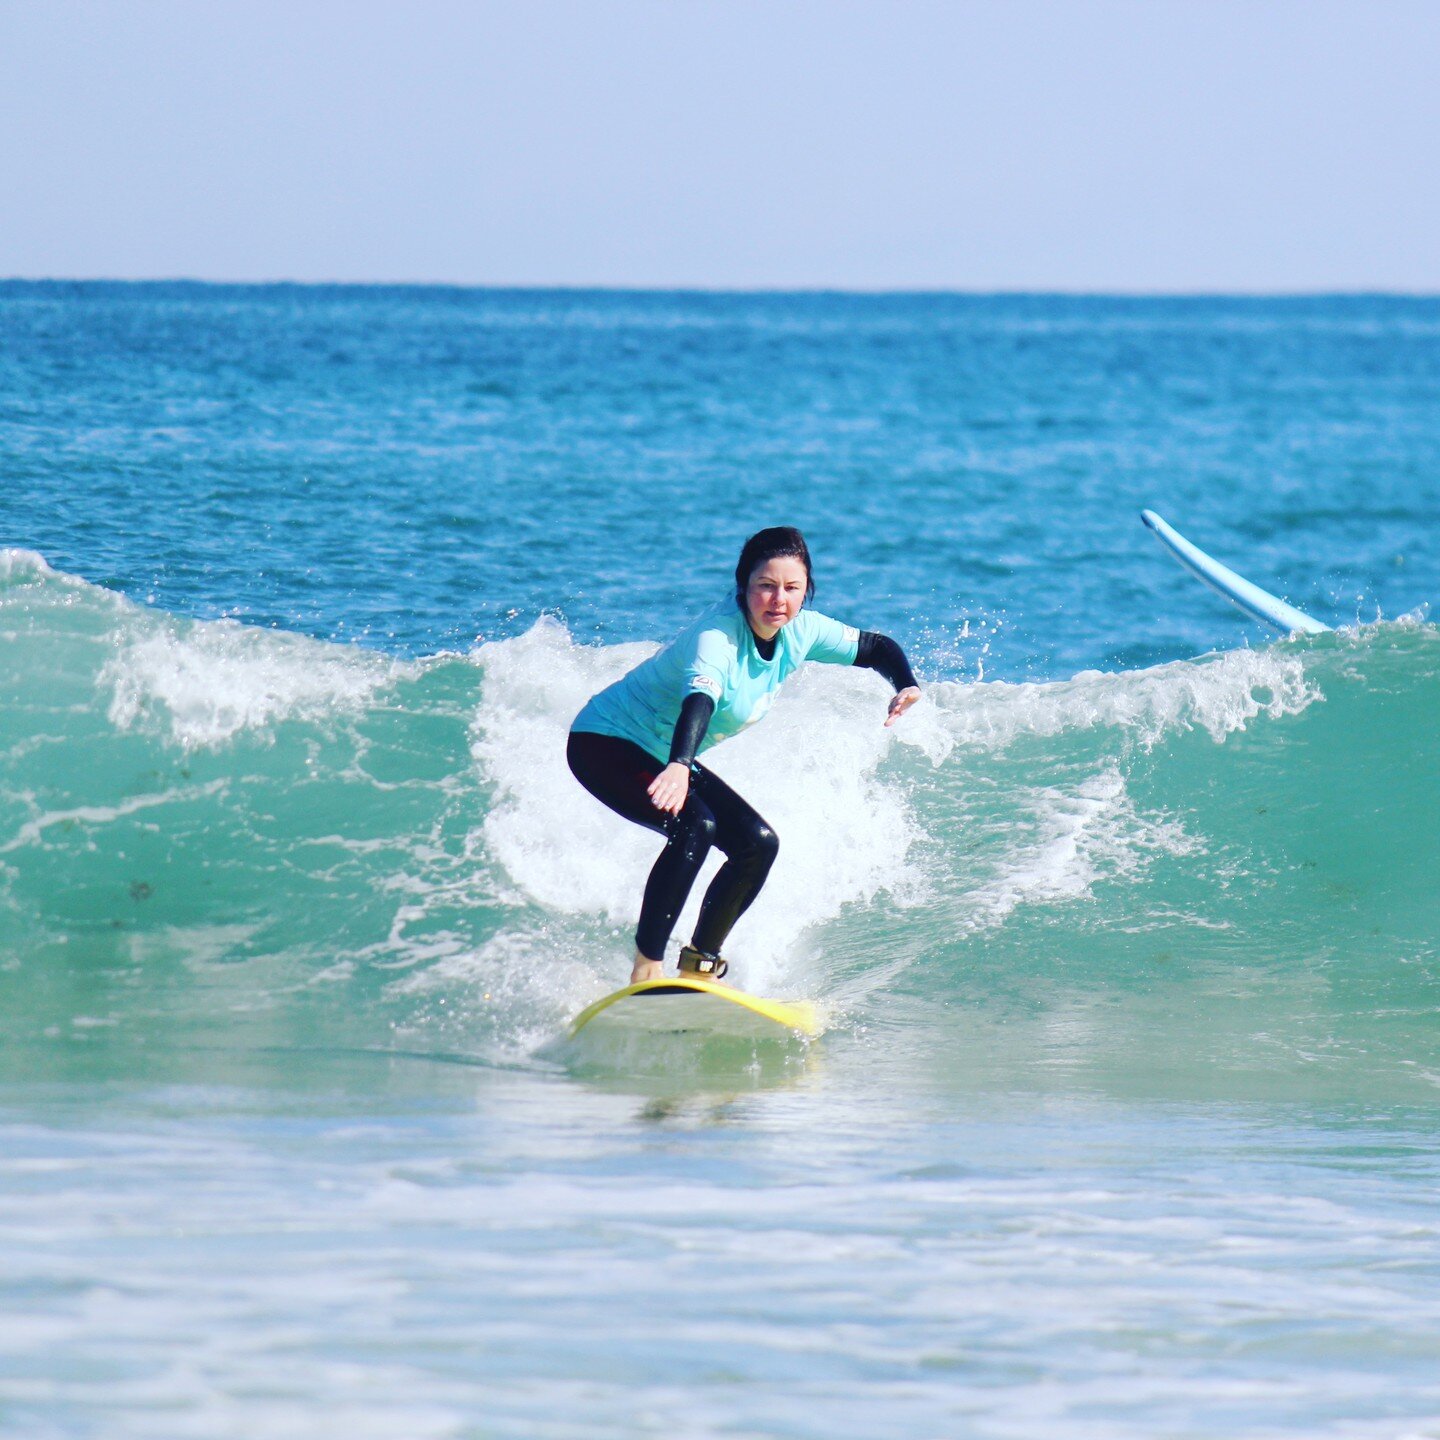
(686, 1005)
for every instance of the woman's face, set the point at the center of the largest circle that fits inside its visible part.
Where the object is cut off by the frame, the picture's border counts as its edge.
(775, 594)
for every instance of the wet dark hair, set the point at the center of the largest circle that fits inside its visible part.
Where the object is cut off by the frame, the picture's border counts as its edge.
(777, 543)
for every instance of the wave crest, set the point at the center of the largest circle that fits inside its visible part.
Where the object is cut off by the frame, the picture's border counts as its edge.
(398, 853)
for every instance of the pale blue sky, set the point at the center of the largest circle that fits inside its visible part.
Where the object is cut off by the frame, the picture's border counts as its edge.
(1116, 145)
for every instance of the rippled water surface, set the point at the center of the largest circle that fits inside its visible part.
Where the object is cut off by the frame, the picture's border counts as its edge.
(1127, 938)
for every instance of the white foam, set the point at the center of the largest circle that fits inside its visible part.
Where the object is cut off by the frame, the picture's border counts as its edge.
(522, 980)
(206, 681)
(19, 565)
(815, 770)
(32, 832)
(1074, 837)
(1219, 694)
(812, 770)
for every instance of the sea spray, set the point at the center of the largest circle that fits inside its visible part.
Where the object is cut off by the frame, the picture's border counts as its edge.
(810, 769)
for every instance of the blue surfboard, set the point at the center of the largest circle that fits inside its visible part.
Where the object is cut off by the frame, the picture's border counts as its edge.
(1257, 603)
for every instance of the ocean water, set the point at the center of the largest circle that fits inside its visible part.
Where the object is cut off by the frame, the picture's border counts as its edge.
(1128, 938)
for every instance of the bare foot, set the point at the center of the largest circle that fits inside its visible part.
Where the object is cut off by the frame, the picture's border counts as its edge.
(645, 969)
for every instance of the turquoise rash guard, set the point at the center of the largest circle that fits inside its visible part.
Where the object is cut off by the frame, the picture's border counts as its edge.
(716, 656)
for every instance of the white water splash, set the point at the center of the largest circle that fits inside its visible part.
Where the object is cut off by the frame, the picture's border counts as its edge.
(812, 770)
(206, 682)
(1071, 839)
(1219, 694)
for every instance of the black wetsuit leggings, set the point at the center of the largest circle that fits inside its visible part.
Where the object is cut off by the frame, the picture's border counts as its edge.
(618, 774)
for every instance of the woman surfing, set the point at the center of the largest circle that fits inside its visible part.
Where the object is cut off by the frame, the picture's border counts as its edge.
(717, 676)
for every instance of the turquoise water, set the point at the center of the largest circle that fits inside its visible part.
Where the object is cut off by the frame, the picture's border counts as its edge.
(1124, 1121)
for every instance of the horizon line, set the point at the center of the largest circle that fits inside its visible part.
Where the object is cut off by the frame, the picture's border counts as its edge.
(876, 291)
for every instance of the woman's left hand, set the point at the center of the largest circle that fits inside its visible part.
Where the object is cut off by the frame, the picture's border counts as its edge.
(901, 702)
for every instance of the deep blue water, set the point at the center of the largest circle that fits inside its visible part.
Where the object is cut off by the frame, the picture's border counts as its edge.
(416, 467)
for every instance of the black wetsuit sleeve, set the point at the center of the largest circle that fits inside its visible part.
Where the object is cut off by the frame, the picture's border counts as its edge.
(881, 653)
(690, 728)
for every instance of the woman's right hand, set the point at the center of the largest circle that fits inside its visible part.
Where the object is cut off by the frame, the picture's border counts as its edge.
(671, 788)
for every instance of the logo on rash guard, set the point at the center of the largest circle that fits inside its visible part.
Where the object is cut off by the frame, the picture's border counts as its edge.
(707, 685)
